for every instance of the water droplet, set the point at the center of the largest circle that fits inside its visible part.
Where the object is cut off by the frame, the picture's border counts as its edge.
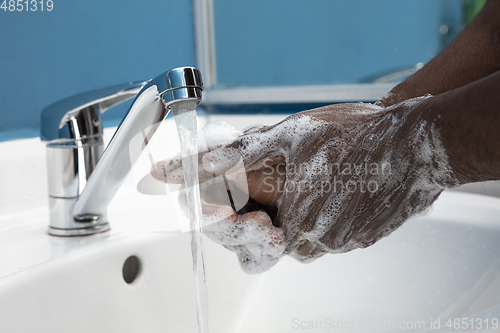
(426, 212)
(370, 142)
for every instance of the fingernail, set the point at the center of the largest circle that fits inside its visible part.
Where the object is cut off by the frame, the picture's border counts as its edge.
(208, 162)
(158, 171)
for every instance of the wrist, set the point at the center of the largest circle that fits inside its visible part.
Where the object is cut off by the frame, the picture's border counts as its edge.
(421, 140)
(447, 132)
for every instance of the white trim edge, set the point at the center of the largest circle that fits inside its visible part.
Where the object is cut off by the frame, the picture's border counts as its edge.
(296, 94)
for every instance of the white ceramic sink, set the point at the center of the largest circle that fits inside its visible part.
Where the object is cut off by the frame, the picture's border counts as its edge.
(443, 265)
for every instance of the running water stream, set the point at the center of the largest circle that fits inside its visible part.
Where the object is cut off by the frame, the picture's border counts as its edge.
(185, 118)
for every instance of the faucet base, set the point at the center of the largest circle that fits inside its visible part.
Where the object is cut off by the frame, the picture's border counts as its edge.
(79, 231)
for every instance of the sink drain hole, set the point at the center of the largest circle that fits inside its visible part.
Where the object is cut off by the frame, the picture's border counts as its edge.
(131, 269)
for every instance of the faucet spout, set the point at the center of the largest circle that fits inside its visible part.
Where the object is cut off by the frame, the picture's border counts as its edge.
(82, 209)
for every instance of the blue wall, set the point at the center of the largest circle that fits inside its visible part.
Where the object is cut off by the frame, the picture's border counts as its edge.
(302, 42)
(84, 45)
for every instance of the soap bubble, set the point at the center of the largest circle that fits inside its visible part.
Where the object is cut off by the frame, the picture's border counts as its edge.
(370, 142)
(426, 212)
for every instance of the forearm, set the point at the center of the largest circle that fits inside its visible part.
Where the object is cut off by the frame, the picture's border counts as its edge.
(474, 54)
(468, 120)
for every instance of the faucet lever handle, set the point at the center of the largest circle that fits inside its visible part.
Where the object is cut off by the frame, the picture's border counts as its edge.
(78, 116)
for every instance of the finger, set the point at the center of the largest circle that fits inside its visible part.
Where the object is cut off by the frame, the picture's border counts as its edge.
(256, 150)
(162, 168)
(170, 171)
(266, 185)
(308, 251)
(223, 225)
(262, 244)
(258, 244)
(219, 223)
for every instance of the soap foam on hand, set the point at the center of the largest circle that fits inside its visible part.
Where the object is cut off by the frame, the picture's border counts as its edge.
(413, 171)
(217, 134)
(258, 244)
(312, 221)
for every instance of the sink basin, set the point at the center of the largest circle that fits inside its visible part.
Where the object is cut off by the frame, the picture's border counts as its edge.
(442, 265)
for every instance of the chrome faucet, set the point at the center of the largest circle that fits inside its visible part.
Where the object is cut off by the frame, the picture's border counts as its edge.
(82, 178)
